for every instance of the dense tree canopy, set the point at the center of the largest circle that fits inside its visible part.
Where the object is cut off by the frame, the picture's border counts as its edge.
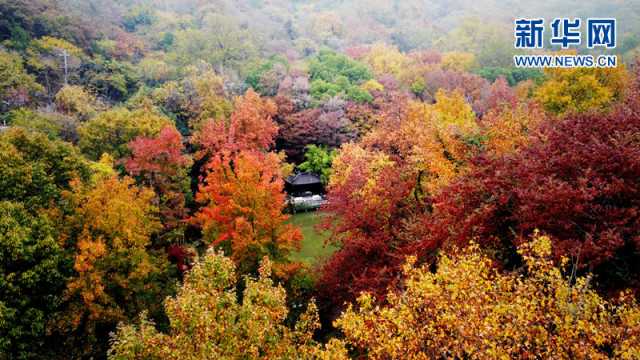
(32, 279)
(35, 169)
(250, 127)
(318, 160)
(111, 131)
(564, 184)
(161, 164)
(116, 272)
(17, 87)
(467, 309)
(242, 210)
(579, 90)
(477, 209)
(334, 74)
(207, 321)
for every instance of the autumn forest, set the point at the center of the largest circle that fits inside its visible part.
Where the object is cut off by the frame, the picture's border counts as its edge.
(467, 208)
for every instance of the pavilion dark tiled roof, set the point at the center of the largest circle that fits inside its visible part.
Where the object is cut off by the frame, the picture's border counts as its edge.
(303, 178)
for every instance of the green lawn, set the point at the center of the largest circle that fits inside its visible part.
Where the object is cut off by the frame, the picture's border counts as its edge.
(313, 248)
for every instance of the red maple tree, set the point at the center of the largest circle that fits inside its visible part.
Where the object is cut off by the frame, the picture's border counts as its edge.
(161, 164)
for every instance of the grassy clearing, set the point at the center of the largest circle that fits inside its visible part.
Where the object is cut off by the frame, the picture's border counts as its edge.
(313, 248)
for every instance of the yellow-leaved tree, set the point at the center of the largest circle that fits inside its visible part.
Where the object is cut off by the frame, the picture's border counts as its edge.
(440, 138)
(470, 310)
(208, 321)
(386, 60)
(74, 100)
(459, 61)
(581, 89)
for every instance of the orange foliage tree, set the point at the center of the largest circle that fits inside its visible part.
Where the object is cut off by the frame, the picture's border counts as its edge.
(251, 126)
(242, 189)
(242, 214)
(509, 127)
(116, 276)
